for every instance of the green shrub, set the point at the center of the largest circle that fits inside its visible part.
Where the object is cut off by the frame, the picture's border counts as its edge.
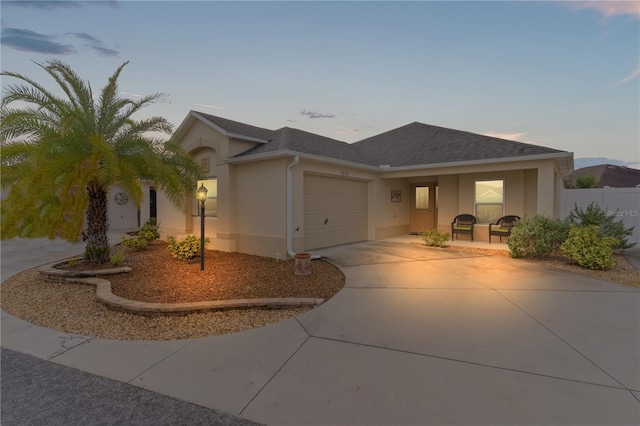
(136, 243)
(148, 233)
(186, 249)
(585, 246)
(537, 236)
(150, 230)
(606, 222)
(435, 238)
(117, 257)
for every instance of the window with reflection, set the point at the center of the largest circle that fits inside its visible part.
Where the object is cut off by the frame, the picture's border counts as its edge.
(422, 197)
(211, 205)
(489, 200)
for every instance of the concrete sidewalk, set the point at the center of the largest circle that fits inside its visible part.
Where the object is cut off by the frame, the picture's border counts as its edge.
(417, 336)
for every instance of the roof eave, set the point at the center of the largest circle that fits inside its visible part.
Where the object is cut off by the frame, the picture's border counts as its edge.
(291, 153)
(564, 159)
(566, 156)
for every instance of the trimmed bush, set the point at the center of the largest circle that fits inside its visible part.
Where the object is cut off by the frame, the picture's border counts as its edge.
(186, 249)
(435, 238)
(591, 251)
(606, 222)
(135, 243)
(537, 236)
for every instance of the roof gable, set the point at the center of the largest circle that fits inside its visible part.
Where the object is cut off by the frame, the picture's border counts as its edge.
(229, 128)
(419, 143)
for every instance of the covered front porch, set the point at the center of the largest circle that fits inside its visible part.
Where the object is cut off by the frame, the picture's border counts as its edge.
(414, 201)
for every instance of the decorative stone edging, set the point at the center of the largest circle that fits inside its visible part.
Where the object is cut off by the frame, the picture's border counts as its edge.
(104, 295)
(53, 275)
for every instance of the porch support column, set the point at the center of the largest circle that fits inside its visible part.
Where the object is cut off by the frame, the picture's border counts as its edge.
(546, 190)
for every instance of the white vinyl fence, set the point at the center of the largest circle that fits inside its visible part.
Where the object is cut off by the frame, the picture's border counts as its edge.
(624, 203)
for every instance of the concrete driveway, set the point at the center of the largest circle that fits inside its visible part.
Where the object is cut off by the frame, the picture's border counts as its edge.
(418, 336)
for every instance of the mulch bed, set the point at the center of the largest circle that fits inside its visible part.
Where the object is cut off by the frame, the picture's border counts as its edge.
(157, 277)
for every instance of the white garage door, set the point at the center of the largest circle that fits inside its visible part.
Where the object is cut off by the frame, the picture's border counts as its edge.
(335, 211)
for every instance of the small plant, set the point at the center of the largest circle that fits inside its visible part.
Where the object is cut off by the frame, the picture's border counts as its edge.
(537, 236)
(135, 243)
(606, 222)
(435, 238)
(588, 249)
(150, 230)
(72, 262)
(144, 237)
(96, 253)
(117, 257)
(186, 249)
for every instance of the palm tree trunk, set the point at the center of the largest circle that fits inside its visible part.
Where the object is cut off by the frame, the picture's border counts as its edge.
(98, 249)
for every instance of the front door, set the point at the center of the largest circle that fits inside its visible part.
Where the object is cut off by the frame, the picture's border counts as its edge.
(423, 207)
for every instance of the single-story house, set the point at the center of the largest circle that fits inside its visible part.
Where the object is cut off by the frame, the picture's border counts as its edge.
(607, 175)
(280, 192)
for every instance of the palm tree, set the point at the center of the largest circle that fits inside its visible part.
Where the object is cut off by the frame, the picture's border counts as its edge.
(60, 155)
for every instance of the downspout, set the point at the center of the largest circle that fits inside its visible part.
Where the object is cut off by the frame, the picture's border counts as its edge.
(295, 161)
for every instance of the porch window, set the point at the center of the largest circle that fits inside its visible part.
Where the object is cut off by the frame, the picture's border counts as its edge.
(211, 205)
(489, 200)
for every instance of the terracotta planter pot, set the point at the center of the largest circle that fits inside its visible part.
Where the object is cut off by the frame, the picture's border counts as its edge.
(303, 264)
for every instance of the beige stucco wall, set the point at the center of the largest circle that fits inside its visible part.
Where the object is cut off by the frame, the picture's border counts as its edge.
(390, 218)
(259, 206)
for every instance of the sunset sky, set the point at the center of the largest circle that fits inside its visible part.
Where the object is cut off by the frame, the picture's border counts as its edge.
(559, 74)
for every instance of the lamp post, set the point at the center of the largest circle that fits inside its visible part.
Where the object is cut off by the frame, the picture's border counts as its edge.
(202, 197)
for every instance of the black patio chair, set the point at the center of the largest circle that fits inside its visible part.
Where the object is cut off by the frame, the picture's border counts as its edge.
(502, 228)
(463, 224)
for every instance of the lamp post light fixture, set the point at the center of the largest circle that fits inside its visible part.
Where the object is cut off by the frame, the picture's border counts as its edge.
(202, 197)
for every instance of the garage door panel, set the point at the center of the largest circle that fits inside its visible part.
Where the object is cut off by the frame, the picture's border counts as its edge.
(335, 211)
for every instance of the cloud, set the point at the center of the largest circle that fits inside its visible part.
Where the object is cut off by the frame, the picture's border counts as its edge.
(95, 44)
(609, 8)
(207, 106)
(509, 136)
(58, 4)
(345, 130)
(314, 114)
(135, 95)
(104, 51)
(634, 74)
(30, 41)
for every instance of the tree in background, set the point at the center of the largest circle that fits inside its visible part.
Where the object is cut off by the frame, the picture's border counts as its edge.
(587, 180)
(60, 156)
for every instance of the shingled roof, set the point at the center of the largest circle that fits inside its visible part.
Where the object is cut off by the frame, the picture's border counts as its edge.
(411, 145)
(309, 143)
(235, 128)
(419, 143)
(609, 175)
